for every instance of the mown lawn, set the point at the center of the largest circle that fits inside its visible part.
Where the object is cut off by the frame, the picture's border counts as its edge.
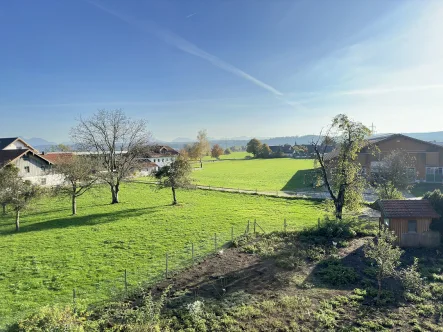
(55, 252)
(233, 155)
(260, 174)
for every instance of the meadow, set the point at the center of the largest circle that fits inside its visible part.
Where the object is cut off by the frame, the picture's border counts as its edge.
(260, 174)
(232, 155)
(55, 252)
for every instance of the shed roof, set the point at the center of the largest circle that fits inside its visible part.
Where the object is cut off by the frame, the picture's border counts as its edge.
(394, 208)
(6, 156)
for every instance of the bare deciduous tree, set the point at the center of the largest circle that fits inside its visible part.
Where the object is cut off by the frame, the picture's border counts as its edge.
(202, 147)
(79, 172)
(341, 170)
(116, 140)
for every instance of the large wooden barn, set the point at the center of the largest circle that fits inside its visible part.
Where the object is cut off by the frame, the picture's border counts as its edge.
(410, 221)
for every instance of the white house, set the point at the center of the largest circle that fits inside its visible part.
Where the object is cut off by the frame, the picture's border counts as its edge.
(32, 166)
(157, 157)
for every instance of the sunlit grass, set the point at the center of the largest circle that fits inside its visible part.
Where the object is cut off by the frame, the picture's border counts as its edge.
(260, 174)
(55, 252)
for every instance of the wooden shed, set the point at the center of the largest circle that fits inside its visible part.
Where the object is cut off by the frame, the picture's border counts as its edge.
(410, 221)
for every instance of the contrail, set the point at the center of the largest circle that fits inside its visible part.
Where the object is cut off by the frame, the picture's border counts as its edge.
(190, 15)
(186, 46)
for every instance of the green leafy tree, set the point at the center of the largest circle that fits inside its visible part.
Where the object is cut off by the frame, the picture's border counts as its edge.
(436, 199)
(253, 147)
(19, 195)
(7, 175)
(385, 255)
(216, 151)
(227, 151)
(79, 173)
(393, 174)
(174, 176)
(265, 151)
(341, 171)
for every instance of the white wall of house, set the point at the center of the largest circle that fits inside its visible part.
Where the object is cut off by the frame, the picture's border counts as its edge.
(162, 161)
(17, 145)
(37, 171)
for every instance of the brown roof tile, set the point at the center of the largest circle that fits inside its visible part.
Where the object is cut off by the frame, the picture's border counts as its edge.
(392, 208)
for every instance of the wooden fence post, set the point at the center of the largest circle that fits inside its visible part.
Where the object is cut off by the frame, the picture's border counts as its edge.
(192, 250)
(232, 233)
(255, 223)
(285, 225)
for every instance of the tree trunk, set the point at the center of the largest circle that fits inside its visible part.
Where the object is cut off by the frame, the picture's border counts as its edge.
(174, 202)
(201, 163)
(4, 208)
(114, 190)
(17, 220)
(74, 204)
(338, 210)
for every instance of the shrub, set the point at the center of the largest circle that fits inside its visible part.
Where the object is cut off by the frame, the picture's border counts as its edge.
(52, 319)
(336, 274)
(411, 278)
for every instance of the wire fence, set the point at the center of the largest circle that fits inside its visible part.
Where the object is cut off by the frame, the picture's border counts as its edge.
(129, 281)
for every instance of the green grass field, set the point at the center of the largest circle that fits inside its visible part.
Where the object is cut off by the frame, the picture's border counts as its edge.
(233, 155)
(55, 252)
(260, 174)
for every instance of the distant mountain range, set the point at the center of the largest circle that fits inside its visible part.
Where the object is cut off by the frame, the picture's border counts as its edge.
(437, 136)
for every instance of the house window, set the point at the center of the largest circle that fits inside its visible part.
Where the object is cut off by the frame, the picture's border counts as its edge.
(27, 170)
(412, 226)
(43, 181)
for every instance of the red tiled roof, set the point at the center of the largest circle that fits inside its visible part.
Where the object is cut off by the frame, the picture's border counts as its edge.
(393, 208)
(53, 157)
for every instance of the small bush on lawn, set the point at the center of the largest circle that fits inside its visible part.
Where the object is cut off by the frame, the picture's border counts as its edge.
(411, 278)
(335, 273)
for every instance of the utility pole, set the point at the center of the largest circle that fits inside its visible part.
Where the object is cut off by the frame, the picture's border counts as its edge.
(373, 129)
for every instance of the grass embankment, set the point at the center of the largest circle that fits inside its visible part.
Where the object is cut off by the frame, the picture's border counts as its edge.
(55, 252)
(260, 174)
(419, 189)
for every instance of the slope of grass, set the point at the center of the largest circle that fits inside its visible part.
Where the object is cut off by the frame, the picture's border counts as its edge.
(55, 252)
(260, 174)
(419, 189)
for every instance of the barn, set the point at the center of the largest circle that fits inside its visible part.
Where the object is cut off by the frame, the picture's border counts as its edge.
(410, 221)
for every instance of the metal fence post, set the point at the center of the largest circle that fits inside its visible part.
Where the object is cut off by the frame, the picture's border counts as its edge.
(215, 242)
(166, 269)
(74, 299)
(126, 283)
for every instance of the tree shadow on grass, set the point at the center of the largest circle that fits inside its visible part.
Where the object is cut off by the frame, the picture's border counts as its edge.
(301, 179)
(78, 220)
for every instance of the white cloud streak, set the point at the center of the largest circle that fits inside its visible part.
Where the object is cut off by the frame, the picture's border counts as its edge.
(377, 91)
(186, 46)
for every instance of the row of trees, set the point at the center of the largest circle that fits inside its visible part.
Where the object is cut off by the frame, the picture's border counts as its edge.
(115, 145)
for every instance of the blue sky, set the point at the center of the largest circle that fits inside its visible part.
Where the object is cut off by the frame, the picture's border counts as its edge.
(237, 68)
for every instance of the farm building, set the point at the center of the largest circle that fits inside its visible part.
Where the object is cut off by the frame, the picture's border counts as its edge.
(410, 221)
(427, 156)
